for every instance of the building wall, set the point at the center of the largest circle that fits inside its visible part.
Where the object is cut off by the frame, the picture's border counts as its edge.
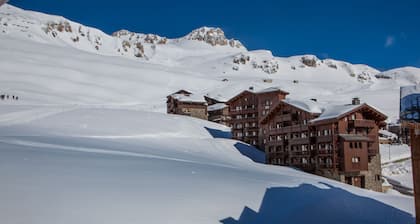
(198, 110)
(246, 111)
(243, 112)
(415, 156)
(373, 176)
(220, 116)
(291, 141)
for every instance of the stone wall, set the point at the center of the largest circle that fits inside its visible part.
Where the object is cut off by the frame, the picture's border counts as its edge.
(373, 176)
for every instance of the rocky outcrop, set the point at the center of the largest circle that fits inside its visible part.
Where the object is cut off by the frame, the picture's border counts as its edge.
(212, 36)
(309, 60)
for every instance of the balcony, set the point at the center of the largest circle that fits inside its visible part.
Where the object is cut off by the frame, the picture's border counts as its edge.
(285, 117)
(325, 151)
(243, 111)
(326, 138)
(361, 123)
(299, 141)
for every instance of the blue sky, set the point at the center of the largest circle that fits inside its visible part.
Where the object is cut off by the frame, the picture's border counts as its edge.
(383, 34)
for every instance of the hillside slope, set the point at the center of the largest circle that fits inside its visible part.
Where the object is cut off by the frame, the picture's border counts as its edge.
(64, 164)
(104, 69)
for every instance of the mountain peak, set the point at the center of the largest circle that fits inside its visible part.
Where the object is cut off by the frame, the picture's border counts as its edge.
(212, 35)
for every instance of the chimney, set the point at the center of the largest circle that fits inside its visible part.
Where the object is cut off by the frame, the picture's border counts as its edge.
(251, 88)
(355, 101)
(315, 100)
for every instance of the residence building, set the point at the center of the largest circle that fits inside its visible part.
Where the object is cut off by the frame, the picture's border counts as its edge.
(186, 103)
(339, 141)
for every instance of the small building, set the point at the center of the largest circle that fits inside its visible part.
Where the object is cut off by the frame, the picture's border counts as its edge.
(246, 109)
(217, 109)
(186, 103)
(219, 113)
(338, 141)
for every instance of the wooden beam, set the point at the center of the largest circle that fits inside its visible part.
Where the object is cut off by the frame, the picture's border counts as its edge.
(415, 156)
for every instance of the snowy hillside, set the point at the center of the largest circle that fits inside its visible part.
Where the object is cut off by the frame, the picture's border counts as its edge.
(65, 164)
(66, 62)
(83, 143)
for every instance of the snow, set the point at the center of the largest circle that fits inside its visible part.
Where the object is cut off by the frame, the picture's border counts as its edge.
(391, 153)
(306, 105)
(70, 167)
(217, 106)
(396, 164)
(334, 111)
(88, 142)
(388, 134)
(189, 98)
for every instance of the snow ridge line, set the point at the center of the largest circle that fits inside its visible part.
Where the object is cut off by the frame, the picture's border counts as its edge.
(32, 144)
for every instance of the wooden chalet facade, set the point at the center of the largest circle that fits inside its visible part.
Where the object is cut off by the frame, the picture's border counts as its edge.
(338, 142)
(186, 103)
(247, 108)
(218, 111)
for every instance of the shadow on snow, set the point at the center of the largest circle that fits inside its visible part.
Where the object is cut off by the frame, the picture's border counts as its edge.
(247, 150)
(309, 204)
(216, 133)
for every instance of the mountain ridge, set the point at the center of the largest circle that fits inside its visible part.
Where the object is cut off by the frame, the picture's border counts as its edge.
(92, 67)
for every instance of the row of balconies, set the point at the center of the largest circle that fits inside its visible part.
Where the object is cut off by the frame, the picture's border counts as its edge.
(361, 123)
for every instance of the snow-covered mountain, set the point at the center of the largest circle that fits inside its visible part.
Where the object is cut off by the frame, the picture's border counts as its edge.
(83, 143)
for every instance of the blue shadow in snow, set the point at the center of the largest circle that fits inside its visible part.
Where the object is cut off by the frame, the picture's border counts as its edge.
(216, 133)
(251, 152)
(310, 204)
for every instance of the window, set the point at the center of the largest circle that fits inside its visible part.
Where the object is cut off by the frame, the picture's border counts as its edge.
(353, 117)
(355, 159)
(351, 145)
(360, 145)
(329, 161)
(239, 134)
(304, 161)
(246, 99)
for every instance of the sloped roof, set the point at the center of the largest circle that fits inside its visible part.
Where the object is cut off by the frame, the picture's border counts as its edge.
(189, 98)
(334, 111)
(217, 106)
(306, 105)
(309, 106)
(338, 111)
(271, 89)
(353, 137)
(261, 91)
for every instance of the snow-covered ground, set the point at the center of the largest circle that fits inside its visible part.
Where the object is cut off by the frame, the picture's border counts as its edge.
(65, 164)
(396, 164)
(87, 141)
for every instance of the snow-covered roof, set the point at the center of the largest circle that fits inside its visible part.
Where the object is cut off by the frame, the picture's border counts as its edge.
(217, 106)
(353, 137)
(387, 134)
(306, 105)
(268, 90)
(334, 111)
(189, 98)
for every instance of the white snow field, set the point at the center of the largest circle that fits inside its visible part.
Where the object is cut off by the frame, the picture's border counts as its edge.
(89, 165)
(396, 164)
(87, 141)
